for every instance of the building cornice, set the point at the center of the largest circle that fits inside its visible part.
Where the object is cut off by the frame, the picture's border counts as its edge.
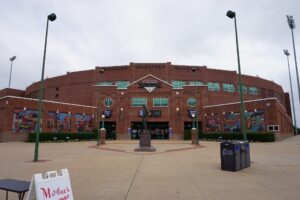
(47, 101)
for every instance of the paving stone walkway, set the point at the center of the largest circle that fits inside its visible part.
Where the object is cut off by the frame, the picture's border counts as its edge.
(177, 170)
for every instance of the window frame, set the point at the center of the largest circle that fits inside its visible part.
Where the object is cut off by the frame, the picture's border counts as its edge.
(108, 98)
(178, 84)
(252, 89)
(139, 98)
(211, 86)
(161, 101)
(122, 83)
(228, 87)
(187, 102)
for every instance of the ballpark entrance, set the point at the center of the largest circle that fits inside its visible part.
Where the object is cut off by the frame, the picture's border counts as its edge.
(158, 130)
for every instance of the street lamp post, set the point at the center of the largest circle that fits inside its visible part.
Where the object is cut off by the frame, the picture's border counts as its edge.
(103, 117)
(99, 109)
(231, 15)
(286, 52)
(50, 17)
(11, 65)
(196, 114)
(292, 25)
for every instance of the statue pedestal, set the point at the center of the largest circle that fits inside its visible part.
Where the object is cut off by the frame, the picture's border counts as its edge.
(145, 142)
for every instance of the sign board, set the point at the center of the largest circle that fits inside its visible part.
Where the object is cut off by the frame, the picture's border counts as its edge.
(192, 113)
(51, 186)
(155, 113)
(107, 113)
(149, 85)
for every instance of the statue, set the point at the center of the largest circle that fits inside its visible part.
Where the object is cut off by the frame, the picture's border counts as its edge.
(145, 136)
(145, 117)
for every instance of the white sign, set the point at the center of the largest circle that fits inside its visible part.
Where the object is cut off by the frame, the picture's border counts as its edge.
(51, 186)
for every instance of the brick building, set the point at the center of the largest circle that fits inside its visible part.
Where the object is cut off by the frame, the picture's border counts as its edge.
(172, 94)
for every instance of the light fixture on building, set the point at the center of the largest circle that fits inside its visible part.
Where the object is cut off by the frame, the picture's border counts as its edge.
(25, 108)
(121, 109)
(57, 111)
(212, 114)
(255, 110)
(223, 113)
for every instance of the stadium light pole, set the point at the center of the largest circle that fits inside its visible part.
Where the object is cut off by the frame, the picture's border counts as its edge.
(292, 26)
(11, 65)
(231, 15)
(99, 108)
(50, 17)
(286, 52)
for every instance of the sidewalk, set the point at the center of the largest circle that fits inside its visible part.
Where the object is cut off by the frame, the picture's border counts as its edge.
(177, 170)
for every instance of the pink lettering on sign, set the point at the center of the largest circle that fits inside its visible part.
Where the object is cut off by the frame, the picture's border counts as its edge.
(62, 194)
(46, 193)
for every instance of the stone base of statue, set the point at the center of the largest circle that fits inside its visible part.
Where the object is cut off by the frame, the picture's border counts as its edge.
(145, 142)
(195, 140)
(102, 135)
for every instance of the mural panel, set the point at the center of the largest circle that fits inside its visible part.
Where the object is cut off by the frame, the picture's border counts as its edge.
(52, 122)
(63, 121)
(24, 120)
(213, 123)
(255, 121)
(232, 122)
(84, 123)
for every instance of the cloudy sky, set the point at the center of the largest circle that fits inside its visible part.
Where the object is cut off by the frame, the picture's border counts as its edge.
(115, 32)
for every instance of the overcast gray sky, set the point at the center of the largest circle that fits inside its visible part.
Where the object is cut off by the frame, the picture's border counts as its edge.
(115, 32)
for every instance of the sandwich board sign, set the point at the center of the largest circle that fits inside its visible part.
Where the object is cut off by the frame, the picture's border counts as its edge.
(52, 186)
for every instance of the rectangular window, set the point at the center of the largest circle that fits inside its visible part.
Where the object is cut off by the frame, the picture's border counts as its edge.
(104, 83)
(160, 102)
(178, 84)
(122, 84)
(137, 102)
(273, 128)
(196, 83)
(253, 90)
(213, 86)
(228, 87)
(244, 88)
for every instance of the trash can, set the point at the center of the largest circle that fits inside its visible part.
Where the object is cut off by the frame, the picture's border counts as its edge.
(230, 156)
(245, 154)
(247, 151)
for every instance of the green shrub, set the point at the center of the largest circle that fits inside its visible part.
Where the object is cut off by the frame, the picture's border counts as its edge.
(262, 136)
(187, 135)
(63, 136)
(113, 135)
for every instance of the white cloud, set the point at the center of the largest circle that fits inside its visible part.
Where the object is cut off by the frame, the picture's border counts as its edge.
(114, 32)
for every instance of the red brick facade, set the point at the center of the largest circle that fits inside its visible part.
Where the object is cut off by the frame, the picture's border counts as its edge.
(77, 93)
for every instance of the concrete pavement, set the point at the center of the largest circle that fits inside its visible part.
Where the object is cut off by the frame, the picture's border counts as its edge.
(177, 170)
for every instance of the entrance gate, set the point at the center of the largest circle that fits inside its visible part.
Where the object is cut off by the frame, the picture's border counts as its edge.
(158, 130)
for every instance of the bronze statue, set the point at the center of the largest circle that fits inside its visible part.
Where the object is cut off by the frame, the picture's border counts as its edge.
(145, 117)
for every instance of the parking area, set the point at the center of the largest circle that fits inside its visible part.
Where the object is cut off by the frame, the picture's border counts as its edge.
(177, 170)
